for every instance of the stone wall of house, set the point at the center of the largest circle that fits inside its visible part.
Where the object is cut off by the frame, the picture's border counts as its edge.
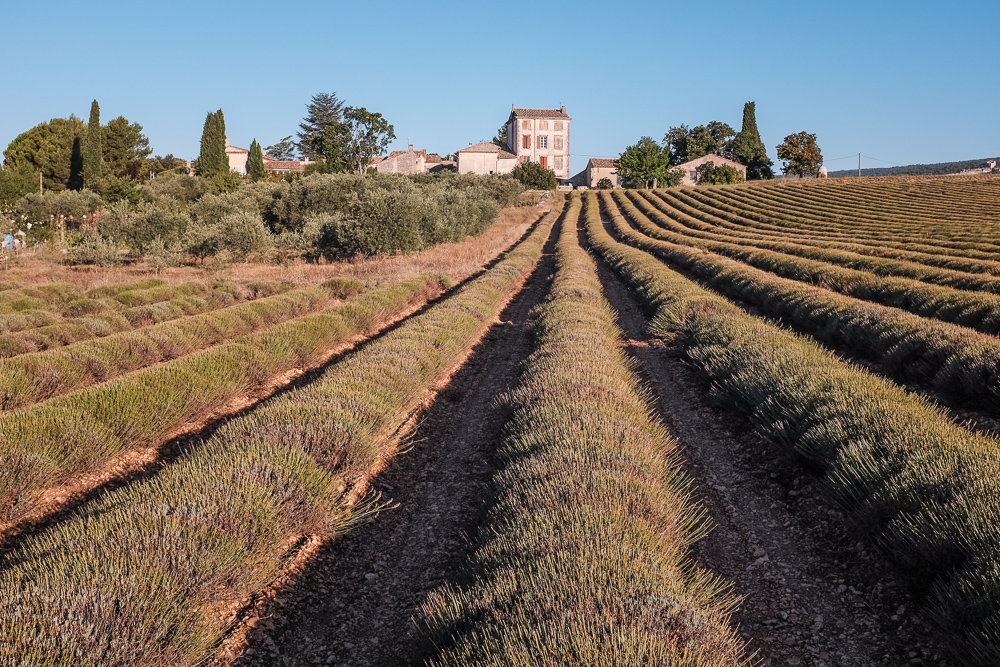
(410, 162)
(554, 132)
(690, 169)
(595, 174)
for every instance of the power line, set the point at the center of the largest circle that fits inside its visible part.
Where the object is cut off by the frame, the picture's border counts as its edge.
(885, 161)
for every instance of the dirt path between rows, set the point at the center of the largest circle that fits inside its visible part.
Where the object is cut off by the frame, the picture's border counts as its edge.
(813, 595)
(354, 605)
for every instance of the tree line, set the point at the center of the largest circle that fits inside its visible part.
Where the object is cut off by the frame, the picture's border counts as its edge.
(648, 161)
(69, 154)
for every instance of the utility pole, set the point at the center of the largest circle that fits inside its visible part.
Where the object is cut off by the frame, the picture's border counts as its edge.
(39, 184)
(859, 165)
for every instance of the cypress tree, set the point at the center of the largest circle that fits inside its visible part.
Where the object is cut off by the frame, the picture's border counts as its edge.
(93, 159)
(749, 149)
(255, 163)
(212, 159)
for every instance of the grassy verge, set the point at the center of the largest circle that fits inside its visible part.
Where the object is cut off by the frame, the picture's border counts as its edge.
(152, 574)
(582, 557)
(924, 490)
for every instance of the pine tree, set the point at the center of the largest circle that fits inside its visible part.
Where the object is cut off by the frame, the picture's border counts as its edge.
(324, 109)
(749, 149)
(212, 159)
(93, 160)
(255, 163)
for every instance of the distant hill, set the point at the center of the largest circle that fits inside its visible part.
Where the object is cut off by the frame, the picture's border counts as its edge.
(915, 169)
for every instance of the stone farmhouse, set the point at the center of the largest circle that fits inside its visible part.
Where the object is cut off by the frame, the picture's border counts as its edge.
(403, 162)
(598, 168)
(542, 136)
(485, 158)
(533, 135)
(238, 158)
(692, 169)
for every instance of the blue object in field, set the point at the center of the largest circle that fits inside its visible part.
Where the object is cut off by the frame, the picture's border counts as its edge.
(8, 242)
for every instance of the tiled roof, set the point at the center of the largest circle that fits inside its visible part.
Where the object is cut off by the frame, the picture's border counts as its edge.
(711, 157)
(433, 158)
(601, 163)
(484, 147)
(540, 113)
(489, 147)
(291, 165)
(235, 149)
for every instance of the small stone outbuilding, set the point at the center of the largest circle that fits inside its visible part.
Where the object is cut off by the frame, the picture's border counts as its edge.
(598, 168)
(403, 162)
(485, 158)
(692, 168)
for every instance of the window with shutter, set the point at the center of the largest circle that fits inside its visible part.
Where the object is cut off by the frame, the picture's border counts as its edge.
(527, 141)
(544, 161)
(525, 124)
(543, 142)
(557, 143)
(558, 125)
(543, 125)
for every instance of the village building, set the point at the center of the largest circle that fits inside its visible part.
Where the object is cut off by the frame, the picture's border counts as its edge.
(238, 158)
(542, 136)
(403, 162)
(285, 166)
(692, 168)
(598, 168)
(485, 158)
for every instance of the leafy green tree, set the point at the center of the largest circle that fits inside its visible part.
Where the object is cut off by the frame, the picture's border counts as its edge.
(800, 155)
(52, 148)
(675, 142)
(255, 163)
(126, 149)
(161, 163)
(748, 149)
(337, 142)
(212, 159)
(501, 138)
(283, 150)
(324, 109)
(710, 174)
(14, 184)
(367, 134)
(534, 176)
(93, 160)
(645, 161)
(687, 144)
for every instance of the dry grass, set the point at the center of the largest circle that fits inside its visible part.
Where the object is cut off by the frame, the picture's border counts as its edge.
(458, 260)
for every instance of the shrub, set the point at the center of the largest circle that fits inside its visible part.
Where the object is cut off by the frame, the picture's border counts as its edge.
(78, 203)
(605, 184)
(724, 174)
(535, 177)
(92, 249)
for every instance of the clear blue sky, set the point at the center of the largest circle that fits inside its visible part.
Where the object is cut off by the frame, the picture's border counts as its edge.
(903, 81)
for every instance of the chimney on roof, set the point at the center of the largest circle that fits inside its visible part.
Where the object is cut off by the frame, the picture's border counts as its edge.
(563, 108)
(411, 148)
